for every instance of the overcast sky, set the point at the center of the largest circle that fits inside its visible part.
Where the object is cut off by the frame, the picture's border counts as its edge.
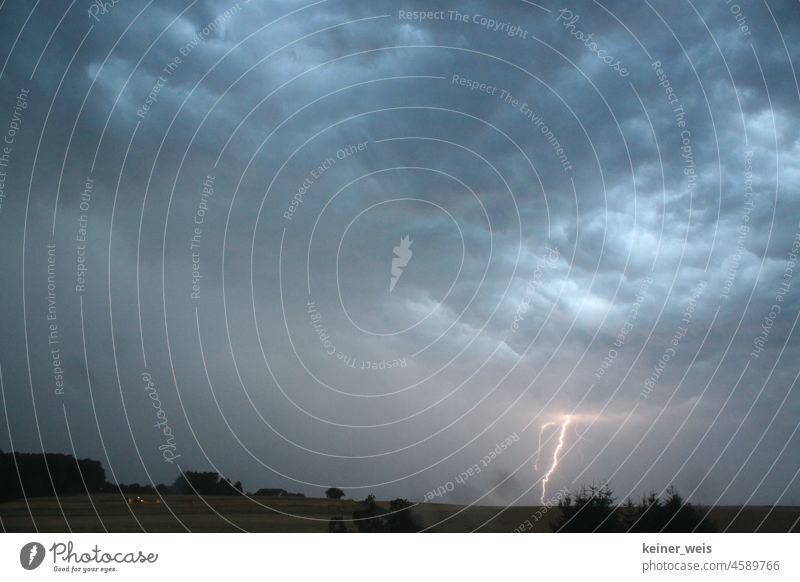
(601, 206)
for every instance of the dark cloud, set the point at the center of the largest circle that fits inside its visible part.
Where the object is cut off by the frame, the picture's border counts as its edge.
(471, 345)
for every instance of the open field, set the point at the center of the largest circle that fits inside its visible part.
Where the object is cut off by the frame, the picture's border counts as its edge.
(291, 514)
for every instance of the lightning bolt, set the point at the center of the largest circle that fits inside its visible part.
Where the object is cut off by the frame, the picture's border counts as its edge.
(34, 551)
(556, 454)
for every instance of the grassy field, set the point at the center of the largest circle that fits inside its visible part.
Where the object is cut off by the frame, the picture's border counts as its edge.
(291, 514)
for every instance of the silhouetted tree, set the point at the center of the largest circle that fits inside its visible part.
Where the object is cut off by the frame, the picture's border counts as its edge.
(670, 515)
(225, 487)
(334, 493)
(591, 509)
(191, 482)
(683, 516)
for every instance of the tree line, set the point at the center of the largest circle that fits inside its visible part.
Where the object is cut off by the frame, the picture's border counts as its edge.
(48, 475)
(594, 509)
(57, 474)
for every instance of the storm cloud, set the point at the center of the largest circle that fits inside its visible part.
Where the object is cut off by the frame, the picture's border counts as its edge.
(204, 205)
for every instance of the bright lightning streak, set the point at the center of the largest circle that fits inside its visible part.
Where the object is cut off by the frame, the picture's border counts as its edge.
(539, 448)
(556, 453)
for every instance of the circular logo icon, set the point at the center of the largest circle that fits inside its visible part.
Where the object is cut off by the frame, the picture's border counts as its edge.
(31, 555)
